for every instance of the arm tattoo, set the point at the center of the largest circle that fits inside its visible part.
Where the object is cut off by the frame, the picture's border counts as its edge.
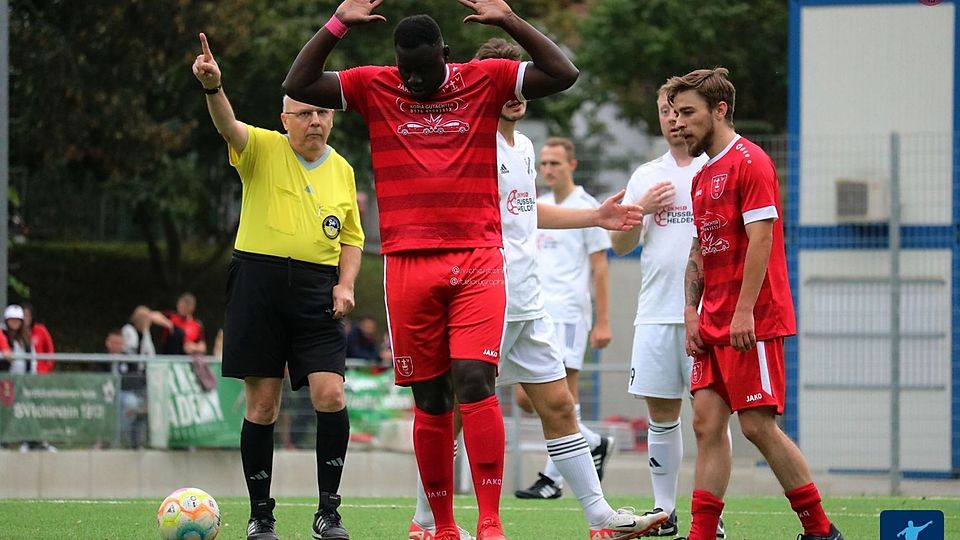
(694, 276)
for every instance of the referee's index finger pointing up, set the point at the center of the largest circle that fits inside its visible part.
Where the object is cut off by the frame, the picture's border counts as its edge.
(207, 55)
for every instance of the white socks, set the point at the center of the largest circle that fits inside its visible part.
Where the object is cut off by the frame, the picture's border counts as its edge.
(665, 448)
(593, 441)
(570, 455)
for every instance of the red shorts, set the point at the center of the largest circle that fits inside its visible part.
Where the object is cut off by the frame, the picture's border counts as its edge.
(745, 380)
(444, 305)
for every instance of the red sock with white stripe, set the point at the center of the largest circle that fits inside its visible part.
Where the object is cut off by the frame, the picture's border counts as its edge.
(433, 446)
(805, 501)
(484, 440)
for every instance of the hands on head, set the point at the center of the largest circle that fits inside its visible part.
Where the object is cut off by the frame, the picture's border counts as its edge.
(205, 67)
(357, 12)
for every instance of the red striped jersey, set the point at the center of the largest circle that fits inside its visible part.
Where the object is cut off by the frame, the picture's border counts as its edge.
(736, 187)
(435, 161)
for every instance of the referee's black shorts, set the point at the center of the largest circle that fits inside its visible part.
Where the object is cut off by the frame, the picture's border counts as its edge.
(280, 313)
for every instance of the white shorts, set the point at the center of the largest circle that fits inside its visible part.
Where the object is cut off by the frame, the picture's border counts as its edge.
(530, 353)
(660, 366)
(572, 338)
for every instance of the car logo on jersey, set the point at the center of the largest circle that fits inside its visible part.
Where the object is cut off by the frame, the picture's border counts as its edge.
(696, 373)
(520, 202)
(331, 227)
(710, 245)
(433, 125)
(717, 183)
(404, 365)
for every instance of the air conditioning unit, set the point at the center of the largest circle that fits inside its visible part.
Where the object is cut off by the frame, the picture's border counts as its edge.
(862, 201)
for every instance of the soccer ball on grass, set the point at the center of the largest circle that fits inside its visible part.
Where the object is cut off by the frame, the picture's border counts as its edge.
(189, 514)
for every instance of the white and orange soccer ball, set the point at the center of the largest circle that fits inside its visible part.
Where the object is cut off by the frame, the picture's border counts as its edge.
(189, 514)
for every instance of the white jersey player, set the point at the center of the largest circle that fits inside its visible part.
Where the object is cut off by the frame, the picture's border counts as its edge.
(660, 367)
(568, 259)
(530, 354)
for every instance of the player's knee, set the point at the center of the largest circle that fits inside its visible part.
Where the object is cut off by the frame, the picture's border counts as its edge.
(708, 429)
(328, 399)
(474, 381)
(757, 429)
(263, 412)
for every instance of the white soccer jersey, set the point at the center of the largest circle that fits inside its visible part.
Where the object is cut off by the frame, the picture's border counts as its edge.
(666, 240)
(518, 211)
(564, 262)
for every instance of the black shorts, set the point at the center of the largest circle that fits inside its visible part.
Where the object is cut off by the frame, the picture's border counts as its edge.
(280, 313)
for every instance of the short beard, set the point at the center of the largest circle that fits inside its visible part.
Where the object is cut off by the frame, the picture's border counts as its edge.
(699, 147)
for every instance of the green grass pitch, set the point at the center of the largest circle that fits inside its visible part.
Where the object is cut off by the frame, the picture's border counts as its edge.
(747, 518)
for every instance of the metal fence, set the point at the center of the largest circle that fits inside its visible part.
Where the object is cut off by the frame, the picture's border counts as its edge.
(872, 226)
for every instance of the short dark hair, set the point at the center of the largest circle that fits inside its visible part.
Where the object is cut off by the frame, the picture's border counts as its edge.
(115, 331)
(417, 30)
(499, 48)
(711, 84)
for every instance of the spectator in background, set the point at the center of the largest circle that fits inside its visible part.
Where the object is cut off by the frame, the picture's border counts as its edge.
(362, 340)
(42, 340)
(193, 340)
(19, 339)
(137, 337)
(133, 381)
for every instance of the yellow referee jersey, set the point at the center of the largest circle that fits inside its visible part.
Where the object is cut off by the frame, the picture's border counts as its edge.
(291, 208)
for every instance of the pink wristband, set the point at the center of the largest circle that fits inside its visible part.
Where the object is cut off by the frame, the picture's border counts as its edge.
(336, 27)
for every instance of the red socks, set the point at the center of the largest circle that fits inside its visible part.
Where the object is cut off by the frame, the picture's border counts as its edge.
(805, 501)
(433, 446)
(706, 510)
(485, 441)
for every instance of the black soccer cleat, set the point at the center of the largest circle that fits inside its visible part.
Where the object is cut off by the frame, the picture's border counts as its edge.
(668, 527)
(602, 453)
(327, 522)
(543, 488)
(262, 525)
(834, 534)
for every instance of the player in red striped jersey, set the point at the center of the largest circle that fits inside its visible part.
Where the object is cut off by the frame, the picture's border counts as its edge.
(738, 268)
(433, 128)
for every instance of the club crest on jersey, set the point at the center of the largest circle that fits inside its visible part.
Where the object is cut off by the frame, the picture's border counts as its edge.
(717, 183)
(331, 227)
(404, 365)
(696, 373)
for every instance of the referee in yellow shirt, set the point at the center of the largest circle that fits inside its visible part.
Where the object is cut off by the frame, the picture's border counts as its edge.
(290, 282)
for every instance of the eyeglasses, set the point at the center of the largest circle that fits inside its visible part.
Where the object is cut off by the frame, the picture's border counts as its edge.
(306, 116)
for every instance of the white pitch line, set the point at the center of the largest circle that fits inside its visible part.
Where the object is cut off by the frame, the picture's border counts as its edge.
(462, 507)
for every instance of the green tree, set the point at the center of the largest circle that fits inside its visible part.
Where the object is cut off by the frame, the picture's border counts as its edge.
(627, 49)
(103, 102)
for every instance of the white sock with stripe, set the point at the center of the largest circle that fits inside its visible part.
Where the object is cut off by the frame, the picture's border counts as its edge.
(665, 450)
(571, 456)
